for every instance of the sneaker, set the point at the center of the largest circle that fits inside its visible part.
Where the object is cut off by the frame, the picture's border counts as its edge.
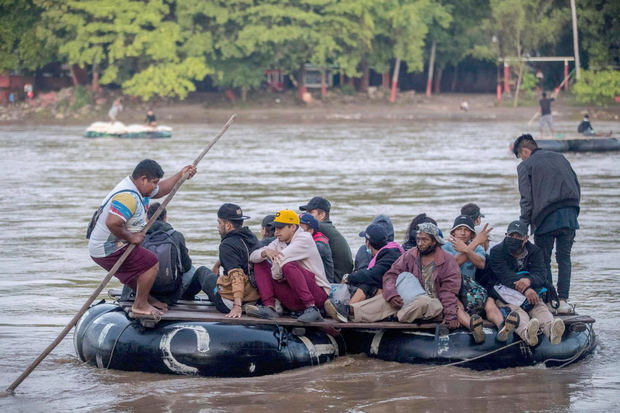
(260, 311)
(310, 315)
(565, 308)
(475, 325)
(510, 323)
(557, 330)
(531, 334)
(337, 310)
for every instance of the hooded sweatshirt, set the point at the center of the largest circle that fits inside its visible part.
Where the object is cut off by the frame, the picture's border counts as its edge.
(235, 250)
(363, 257)
(301, 249)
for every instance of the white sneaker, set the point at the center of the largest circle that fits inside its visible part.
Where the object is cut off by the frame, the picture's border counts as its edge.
(557, 330)
(531, 334)
(565, 308)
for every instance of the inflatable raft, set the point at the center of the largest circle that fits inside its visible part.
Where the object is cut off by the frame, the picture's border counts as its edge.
(107, 338)
(579, 144)
(119, 130)
(193, 338)
(458, 347)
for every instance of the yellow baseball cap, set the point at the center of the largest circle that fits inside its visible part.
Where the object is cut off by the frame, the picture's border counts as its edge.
(285, 217)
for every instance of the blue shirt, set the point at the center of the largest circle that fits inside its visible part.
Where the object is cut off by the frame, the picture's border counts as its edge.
(560, 218)
(468, 269)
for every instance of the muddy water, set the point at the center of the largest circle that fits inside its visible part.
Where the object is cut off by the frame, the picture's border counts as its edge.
(53, 179)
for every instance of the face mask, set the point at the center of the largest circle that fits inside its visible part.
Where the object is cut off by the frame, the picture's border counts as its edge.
(428, 250)
(368, 251)
(512, 244)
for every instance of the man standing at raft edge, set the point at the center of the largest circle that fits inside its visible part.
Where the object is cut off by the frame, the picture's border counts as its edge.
(341, 252)
(550, 196)
(122, 218)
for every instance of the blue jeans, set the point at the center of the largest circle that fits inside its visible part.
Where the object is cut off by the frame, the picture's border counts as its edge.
(563, 239)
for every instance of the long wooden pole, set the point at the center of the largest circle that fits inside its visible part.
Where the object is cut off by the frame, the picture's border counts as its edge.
(116, 266)
(431, 67)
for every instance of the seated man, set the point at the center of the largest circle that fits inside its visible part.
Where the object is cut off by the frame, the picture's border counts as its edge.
(291, 270)
(267, 231)
(412, 230)
(367, 281)
(341, 252)
(309, 224)
(150, 119)
(229, 291)
(474, 299)
(420, 285)
(120, 222)
(520, 265)
(585, 127)
(363, 257)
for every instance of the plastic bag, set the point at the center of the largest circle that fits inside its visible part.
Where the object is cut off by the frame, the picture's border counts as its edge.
(340, 292)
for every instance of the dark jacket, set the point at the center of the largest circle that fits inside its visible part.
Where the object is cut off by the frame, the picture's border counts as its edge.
(341, 252)
(547, 182)
(504, 266)
(374, 276)
(328, 260)
(177, 238)
(446, 274)
(233, 251)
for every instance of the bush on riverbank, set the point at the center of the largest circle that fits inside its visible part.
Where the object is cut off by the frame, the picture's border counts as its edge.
(599, 88)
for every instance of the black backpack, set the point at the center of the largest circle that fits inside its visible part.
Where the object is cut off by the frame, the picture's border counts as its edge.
(170, 275)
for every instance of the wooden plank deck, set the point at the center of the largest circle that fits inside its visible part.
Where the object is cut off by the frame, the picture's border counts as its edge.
(204, 311)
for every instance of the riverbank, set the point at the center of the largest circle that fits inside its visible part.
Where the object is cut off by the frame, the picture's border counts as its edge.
(284, 107)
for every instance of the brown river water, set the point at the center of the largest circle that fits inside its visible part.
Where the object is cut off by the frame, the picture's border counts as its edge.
(54, 179)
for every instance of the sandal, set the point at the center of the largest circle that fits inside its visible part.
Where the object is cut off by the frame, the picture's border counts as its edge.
(511, 322)
(475, 325)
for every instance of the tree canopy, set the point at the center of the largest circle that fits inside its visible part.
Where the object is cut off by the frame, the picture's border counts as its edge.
(163, 47)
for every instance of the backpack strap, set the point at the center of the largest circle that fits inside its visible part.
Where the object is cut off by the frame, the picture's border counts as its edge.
(118, 192)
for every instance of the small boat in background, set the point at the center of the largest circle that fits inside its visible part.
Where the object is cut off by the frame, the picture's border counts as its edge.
(580, 143)
(119, 130)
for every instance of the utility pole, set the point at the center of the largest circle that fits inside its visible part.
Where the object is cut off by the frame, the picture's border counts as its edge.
(575, 40)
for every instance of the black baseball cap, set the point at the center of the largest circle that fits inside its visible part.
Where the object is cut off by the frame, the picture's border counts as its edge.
(472, 210)
(376, 235)
(268, 221)
(517, 227)
(317, 203)
(231, 212)
(463, 221)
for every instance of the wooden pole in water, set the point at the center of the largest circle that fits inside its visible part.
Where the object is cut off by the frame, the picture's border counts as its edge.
(115, 268)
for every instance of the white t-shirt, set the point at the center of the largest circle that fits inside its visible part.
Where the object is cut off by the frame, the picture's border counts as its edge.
(131, 207)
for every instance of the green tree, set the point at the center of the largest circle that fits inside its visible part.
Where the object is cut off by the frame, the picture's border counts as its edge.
(136, 44)
(598, 87)
(598, 22)
(20, 49)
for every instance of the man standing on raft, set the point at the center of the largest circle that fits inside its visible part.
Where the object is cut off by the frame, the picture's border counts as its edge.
(122, 218)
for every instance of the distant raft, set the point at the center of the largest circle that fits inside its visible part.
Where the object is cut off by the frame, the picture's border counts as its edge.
(119, 130)
(107, 338)
(579, 144)
(458, 347)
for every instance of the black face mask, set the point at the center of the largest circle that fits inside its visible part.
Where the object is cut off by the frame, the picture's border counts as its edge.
(428, 250)
(513, 245)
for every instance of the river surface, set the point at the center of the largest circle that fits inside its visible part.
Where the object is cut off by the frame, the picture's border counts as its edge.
(54, 179)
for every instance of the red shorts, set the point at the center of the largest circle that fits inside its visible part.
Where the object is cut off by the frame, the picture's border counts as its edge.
(138, 262)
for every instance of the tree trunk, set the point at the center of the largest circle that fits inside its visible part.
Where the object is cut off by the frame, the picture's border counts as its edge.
(385, 79)
(454, 78)
(438, 79)
(244, 93)
(73, 77)
(95, 82)
(365, 80)
(431, 66)
(323, 84)
(301, 81)
(516, 101)
(395, 80)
